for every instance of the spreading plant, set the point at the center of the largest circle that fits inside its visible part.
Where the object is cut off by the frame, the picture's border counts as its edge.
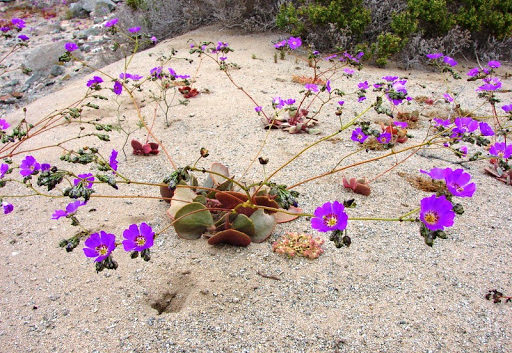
(210, 203)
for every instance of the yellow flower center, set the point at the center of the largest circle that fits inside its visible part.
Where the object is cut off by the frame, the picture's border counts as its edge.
(102, 250)
(140, 241)
(431, 217)
(330, 220)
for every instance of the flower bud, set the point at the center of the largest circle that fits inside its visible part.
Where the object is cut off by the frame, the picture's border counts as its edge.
(262, 160)
(204, 152)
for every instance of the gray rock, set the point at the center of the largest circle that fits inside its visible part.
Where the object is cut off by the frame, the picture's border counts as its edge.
(82, 35)
(57, 70)
(12, 83)
(77, 10)
(43, 57)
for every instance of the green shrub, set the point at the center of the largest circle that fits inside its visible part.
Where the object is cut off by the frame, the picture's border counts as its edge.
(135, 4)
(484, 18)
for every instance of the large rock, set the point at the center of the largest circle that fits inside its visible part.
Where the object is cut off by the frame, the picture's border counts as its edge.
(43, 57)
(83, 8)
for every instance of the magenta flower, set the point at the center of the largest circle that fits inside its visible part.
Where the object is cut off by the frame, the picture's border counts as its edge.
(473, 72)
(69, 211)
(134, 29)
(258, 109)
(182, 77)
(434, 56)
(448, 98)
(485, 129)
(70, 46)
(463, 150)
(289, 101)
(86, 179)
(311, 87)
(450, 61)
(5, 29)
(4, 125)
(348, 71)
(118, 88)
(330, 216)
(94, 82)
(466, 124)
(384, 138)
(100, 245)
(111, 23)
(441, 122)
(491, 84)
(223, 58)
(363, 85)
(390, 78)
(494, 64)
(400, 124)
(458, 183)
(341, 103)
(18, 22)
(7, 207)
(506, 109)
(436, 213)
(23, 37)
(280, 44)
(221, 45)
(28, 166)
(154, 40)
(294, 43)
(3, 169)
(156, 72)
(437, 173)
(501, 149)
(278, 103)
(358, 135)
(138, 240)
(328, 86)
(113, 161)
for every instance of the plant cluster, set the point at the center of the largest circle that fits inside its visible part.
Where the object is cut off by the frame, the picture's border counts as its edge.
(229, 210)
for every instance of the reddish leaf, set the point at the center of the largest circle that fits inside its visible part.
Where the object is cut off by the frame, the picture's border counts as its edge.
(230, 236)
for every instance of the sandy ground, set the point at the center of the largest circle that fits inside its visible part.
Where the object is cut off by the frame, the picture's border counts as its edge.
(388, 292)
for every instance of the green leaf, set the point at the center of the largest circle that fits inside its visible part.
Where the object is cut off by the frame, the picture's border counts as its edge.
(181, 197)
(244, 224)
(263, 225)
(192, 220)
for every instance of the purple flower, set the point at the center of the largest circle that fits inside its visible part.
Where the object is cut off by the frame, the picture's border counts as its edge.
(450, 61)
(86, 180)
(70, 209)
(501, 149)
(436, 213)
(390, 78)
(70, 46)
(100, 245)
(154, 40)
(506, 109)
(377, 85)
(358, 135)
(23, 37)
(258, 109)
(280, 44)
(400, 124)
(111, 22)
(437, 173)
(330, 57)
(126, 76)
(466, 124)
(328, 86)
(134, 29)
(4, 125)
(175, 75)
(18, 22)
(118, 87)
(360, 99)
(463, 150)
(138, 240)
(221, 45)
(341, 103)
(448, 98)
(348, 71)
(473, 72)
(156, 72)
(5, 29)
(223, 58)
(441, 122)
(294, 42)
(278, 103)
(113, 161)
(330, 216)
(45, 167)
(434, 56)
(94, 82)
(3, 169)
(457, 182)
(494, 64)
(485, 129)
(491, 84)
(289, 101)
(311, 87)
(7, 207)
(363, 85)
(28, 166)
(384, 138)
